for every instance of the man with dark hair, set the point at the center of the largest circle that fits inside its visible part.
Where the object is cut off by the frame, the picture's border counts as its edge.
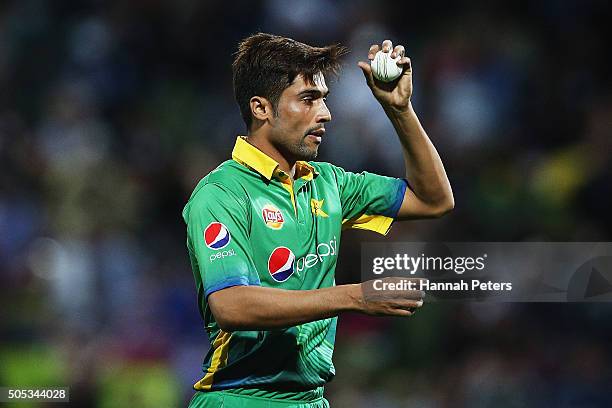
(263, 229)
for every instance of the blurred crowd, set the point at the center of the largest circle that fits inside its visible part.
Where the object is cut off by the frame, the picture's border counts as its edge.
(110, 113)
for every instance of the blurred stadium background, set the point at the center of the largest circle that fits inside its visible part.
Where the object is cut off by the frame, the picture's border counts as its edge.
(111, 111)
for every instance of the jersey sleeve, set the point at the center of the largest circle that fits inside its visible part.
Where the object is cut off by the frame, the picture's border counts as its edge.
(369, 201)
(218, 239)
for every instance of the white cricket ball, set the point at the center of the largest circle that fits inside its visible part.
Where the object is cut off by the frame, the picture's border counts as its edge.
(385, 68)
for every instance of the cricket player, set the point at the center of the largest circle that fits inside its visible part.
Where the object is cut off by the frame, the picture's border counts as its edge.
(264, 228)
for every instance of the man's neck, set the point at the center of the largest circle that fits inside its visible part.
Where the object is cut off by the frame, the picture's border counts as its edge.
(288, 166)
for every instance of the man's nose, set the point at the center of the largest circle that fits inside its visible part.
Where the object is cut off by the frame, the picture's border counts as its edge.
(324, 114)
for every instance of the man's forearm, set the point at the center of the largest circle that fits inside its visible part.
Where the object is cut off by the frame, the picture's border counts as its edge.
(262, 308)
(424, 169)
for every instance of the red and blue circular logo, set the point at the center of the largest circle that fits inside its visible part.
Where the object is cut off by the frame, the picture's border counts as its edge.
(216, 235)
(281, 264)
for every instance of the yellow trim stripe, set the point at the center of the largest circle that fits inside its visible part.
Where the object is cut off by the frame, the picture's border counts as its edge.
(288, 185)
(376, 223)
(219, 360)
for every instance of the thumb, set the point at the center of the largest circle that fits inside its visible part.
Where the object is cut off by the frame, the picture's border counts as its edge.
(367, 72)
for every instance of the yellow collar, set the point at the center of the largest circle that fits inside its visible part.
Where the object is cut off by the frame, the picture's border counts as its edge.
(250, 156)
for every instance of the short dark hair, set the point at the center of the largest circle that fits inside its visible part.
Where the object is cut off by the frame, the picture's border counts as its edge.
(266, 64)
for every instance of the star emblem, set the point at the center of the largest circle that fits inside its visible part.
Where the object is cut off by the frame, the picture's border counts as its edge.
(317, 208)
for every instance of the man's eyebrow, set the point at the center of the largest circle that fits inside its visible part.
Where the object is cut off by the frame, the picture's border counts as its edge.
(314, 92)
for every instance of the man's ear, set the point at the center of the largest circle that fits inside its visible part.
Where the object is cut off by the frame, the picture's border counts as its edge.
(261, 108)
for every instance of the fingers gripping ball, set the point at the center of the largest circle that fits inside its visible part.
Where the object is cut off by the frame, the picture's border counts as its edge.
(385, 68)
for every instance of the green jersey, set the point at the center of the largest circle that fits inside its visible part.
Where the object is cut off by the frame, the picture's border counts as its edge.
(249, 224)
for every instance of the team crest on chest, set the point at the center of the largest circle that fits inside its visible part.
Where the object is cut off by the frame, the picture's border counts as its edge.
(317, 208)
(272, 217)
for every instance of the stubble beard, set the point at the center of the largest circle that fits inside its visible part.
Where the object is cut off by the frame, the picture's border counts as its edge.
(304, 152)
(300, 150)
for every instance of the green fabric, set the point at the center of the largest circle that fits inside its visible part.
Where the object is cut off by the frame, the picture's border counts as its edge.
(268, 234)
(219, 399)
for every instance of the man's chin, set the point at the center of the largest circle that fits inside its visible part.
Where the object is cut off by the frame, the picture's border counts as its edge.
(307, 152)
(313, 154)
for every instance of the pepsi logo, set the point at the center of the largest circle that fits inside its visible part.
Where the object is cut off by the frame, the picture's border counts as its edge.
(281, 264)
(272, 216)
(216, 235)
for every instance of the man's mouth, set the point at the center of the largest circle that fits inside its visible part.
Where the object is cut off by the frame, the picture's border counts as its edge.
(316, 135)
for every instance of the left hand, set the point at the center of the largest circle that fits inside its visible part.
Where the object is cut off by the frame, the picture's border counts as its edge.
(395, 94)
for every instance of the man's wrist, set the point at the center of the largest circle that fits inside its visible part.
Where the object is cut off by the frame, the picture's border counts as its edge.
(398, 110)
(353, 298)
